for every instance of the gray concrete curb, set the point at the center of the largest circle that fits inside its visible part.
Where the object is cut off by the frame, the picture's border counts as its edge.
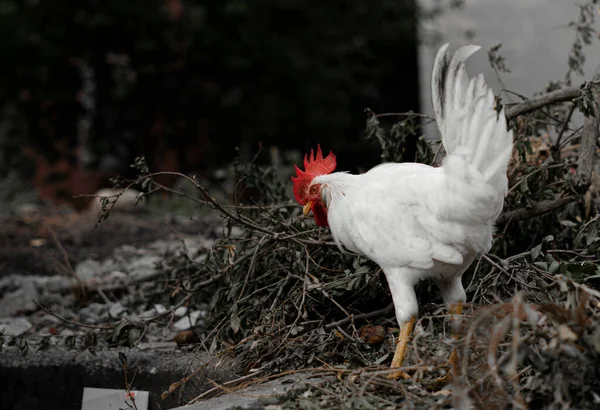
(55, 378)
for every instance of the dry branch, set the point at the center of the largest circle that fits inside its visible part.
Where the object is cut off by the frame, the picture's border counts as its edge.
(540, 208)
(564, 94)
(386, 310)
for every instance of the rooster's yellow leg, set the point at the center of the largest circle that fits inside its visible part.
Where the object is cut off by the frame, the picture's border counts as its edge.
(403, 339)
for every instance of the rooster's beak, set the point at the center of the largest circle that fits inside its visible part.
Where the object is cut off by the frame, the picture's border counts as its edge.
(306, 208)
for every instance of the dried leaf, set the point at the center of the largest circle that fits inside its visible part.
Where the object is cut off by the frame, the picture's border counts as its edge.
(234, 321)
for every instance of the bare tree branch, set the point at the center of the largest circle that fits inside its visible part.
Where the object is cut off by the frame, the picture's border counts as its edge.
(564, 94)
(376, 313)
(540, 208)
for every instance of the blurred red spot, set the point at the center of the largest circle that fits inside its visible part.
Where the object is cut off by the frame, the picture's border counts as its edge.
(174, 8)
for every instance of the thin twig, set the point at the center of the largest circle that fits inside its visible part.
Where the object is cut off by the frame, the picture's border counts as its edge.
(128, 386)
(50, 312)
(66, 262)
(375, 313)
(563, 129)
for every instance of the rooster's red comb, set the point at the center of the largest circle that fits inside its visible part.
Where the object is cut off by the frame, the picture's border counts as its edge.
(313, 166)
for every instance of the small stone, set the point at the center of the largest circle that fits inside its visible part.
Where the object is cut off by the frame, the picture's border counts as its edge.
(180, 311)
(49, 320)
(187, 322)
(143, 267)
(155, 346)
(19, 301)
(88, 269)
(93, 312)
(109, 265)
(117, 276)
(54, 299)
(148, 313)
(54, 284)
(160, 309)
(15, 326)
(236, 232)
(116, 310)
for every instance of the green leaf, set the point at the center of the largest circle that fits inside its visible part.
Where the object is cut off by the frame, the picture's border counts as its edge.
(580, 271)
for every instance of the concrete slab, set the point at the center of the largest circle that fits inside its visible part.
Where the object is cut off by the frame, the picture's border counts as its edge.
(102, 399)
(55, 378)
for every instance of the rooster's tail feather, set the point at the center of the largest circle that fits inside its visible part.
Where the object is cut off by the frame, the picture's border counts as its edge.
(474, 134)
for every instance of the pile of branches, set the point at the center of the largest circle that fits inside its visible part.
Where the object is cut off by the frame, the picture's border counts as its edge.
(518, 354)
(282, 297)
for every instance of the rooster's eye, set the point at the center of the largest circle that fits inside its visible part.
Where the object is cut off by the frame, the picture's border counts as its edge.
(314, 189)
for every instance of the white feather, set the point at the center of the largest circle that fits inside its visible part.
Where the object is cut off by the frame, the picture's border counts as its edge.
(420, 222)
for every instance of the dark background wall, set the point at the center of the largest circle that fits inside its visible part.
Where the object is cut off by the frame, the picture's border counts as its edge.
(85, 86)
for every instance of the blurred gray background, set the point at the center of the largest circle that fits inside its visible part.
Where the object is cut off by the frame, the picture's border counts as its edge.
(535, 36)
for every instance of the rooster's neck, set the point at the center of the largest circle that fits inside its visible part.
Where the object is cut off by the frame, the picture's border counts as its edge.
(334, 185)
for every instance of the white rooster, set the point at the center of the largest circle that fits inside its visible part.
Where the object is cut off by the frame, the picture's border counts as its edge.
(416, 221)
